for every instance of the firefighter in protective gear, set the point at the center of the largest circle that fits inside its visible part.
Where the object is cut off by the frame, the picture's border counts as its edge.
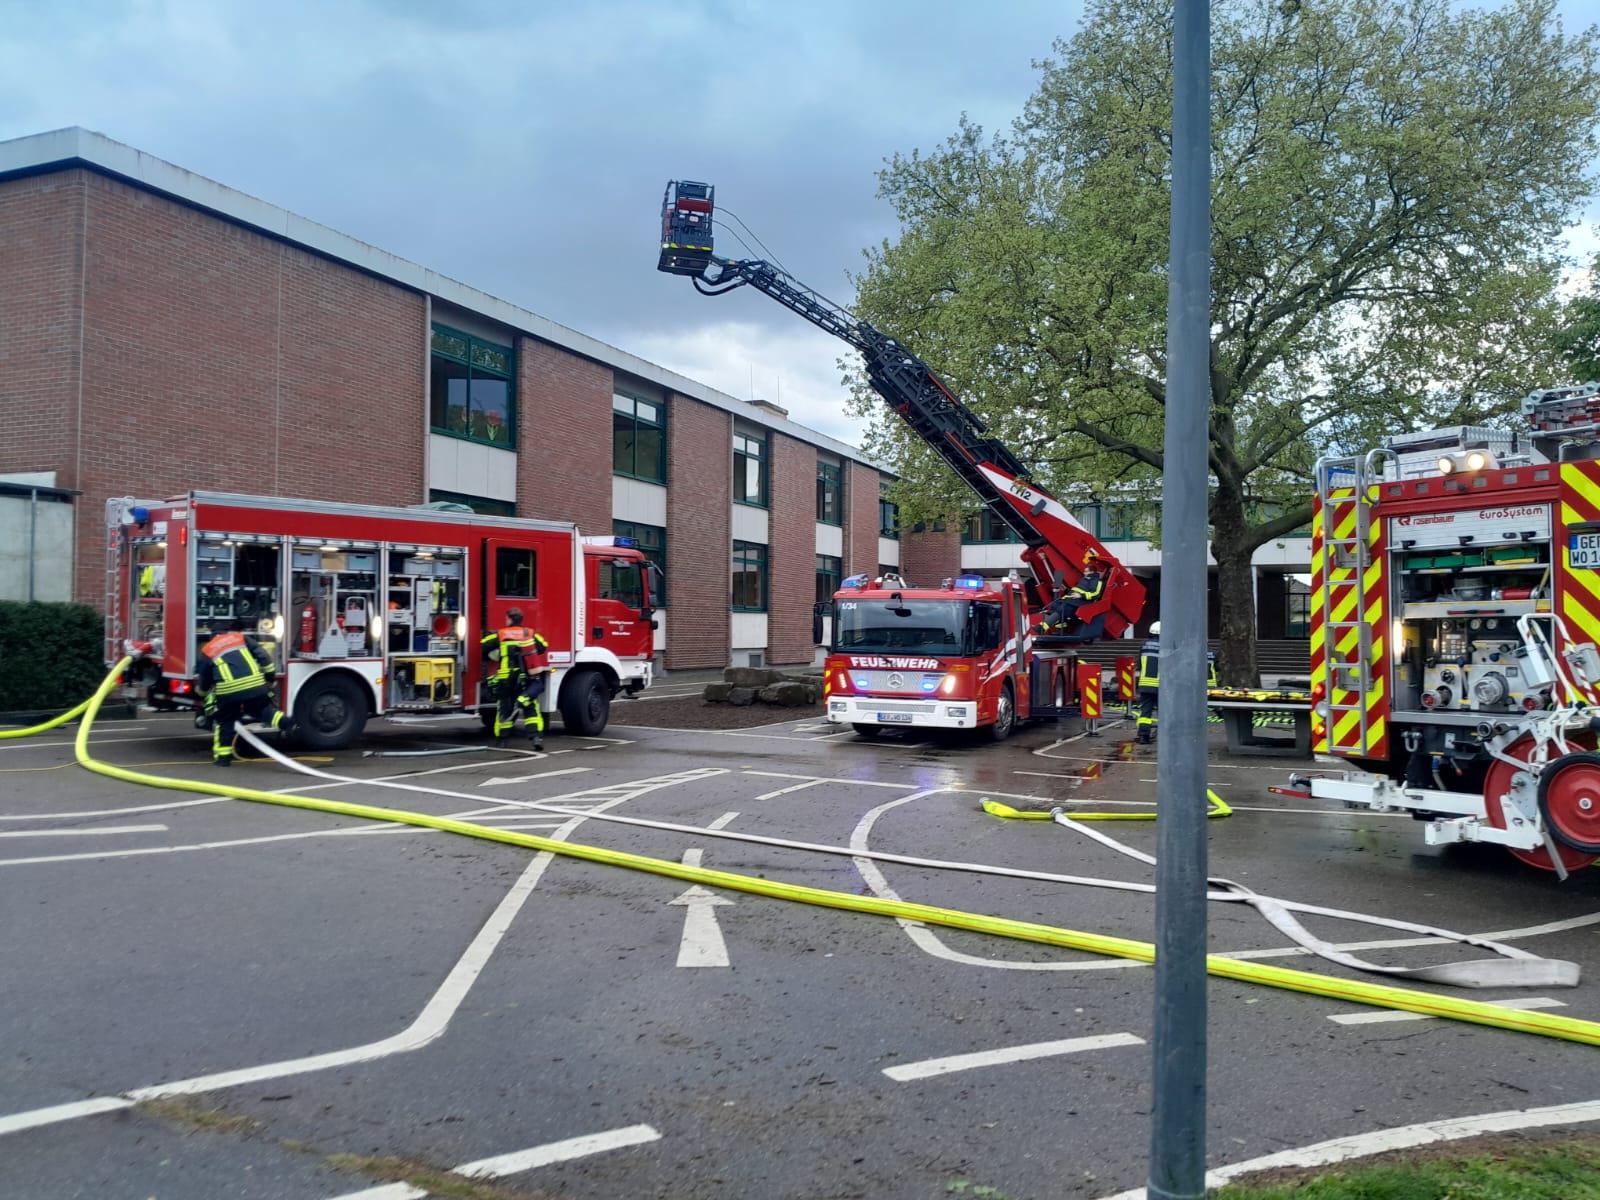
(237, 678)
(1063, 610)
(518, 656)
(1149, 682)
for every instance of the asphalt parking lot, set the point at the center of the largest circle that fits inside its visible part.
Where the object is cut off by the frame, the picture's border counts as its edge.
(211, 997)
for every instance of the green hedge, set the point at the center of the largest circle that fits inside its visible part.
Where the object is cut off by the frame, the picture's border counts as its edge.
(51, 655)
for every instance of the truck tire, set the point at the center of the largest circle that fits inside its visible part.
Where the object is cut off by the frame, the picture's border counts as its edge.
(1005, 717)
(330, 712)
(585, 703)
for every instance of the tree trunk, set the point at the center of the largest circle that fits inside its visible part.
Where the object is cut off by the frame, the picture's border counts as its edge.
(1233, 548)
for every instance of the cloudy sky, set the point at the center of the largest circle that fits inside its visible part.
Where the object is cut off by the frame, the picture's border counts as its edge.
(522, 146)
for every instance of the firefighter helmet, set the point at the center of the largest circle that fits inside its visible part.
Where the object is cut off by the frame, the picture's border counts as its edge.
(1155, 628)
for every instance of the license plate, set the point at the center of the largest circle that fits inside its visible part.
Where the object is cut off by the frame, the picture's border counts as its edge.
(1583, 551)
(895, 718)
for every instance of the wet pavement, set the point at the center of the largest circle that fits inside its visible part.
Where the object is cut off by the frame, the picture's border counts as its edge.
(214, 997)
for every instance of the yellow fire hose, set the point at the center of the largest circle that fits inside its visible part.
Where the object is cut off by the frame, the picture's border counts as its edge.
(1218, 808)
(1543, 1024)
(52, 722)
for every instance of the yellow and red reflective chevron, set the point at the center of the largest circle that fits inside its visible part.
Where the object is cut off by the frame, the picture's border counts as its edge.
(1578, 592)
(1343, 601)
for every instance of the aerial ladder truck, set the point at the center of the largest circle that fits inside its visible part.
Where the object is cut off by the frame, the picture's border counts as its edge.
(963, 655)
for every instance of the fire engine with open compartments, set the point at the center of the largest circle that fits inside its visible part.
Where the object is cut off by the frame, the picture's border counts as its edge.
(1455, 616)
(373, 611)
(964, 654)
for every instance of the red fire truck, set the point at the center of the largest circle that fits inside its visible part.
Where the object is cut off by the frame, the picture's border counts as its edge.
(1455, 615)
(373, 611)
(962, 655)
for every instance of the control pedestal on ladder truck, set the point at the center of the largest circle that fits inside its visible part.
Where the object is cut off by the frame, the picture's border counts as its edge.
(963, 655)
(1455, 615)
(371, 611)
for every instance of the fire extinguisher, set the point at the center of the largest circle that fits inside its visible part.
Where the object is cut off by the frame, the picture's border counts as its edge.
(308, 630)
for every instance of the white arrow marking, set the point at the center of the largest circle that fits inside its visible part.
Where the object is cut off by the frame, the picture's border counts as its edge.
(702, 944)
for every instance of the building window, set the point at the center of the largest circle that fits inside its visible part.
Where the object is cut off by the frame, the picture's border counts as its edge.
(1297, 618)
(638, 438)
(830, 570)
(749, 469)
(478, 504)
(651, 541)
(888, 514)
(985, 527)
(830, 493)
(470, 389)
(516, 573)
(749, 577)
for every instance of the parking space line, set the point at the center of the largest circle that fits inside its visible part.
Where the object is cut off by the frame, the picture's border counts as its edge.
(1007, 1054)
(521, 1160)
(798, 787)
(1526, 1003)
(115, 812)
(104, 829)
(500, 779)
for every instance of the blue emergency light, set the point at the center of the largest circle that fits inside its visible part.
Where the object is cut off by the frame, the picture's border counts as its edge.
(970, 581)
(856, 581)
(626, 543)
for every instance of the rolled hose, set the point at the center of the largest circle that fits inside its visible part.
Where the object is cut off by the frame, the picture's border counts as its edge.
(1543, 1024)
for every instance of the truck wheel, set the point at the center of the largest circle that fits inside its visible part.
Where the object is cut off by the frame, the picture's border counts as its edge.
(585, 703)
(329, 713)
(1005, 716)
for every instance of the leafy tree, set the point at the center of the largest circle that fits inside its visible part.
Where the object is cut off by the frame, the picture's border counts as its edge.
(1578, 339)
(1390, 182)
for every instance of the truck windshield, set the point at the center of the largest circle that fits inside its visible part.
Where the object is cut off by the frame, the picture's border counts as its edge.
(906, 626)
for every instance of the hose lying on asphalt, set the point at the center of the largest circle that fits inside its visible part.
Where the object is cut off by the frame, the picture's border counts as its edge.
(69, 715)
(1544, 1024)
(1514, 968)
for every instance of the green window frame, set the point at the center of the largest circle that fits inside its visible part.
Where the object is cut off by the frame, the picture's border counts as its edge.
(749, 469)
(651, 541)
(830, 492)
(984, 528)
(748, 592)
(472, 391)
(888, 514)
(830, 571)
(638, 437)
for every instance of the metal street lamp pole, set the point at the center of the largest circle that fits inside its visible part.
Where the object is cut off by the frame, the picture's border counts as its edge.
(1178, 1072)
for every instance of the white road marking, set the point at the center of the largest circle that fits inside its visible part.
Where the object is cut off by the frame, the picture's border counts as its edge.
(522, 1160)
(724, 821)
(500, 779)
(702, 944)
(116, 812)
(1527, 1003)
(798, 787)
(829, 779)
(22, 833)
(429, 1024)
(1007, 1054)
(1363, 1145)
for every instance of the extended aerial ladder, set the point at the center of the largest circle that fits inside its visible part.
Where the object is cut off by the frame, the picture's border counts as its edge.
(1055, 544)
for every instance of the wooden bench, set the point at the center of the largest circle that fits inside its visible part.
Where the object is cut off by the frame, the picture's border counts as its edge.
(1239, 721)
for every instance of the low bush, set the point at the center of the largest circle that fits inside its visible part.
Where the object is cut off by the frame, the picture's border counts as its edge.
(51, 655)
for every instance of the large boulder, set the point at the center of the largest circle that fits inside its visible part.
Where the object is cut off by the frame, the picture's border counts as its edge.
(789, 693)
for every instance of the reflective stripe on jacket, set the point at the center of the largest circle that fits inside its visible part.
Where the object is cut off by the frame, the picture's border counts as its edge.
(232, 664)
(517, 646)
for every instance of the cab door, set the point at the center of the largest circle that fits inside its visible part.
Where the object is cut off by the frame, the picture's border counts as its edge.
(620, 609)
